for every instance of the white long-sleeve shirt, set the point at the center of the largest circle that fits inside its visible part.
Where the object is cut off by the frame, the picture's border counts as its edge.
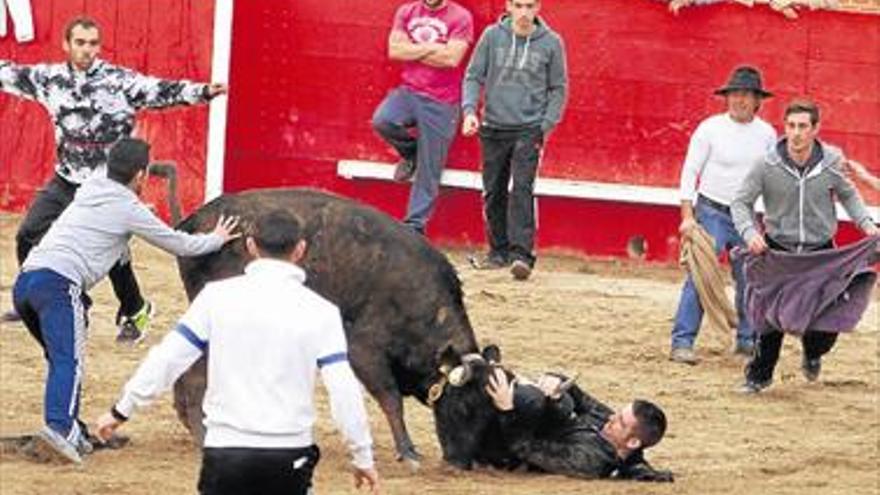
(269, 337)
(720, 155)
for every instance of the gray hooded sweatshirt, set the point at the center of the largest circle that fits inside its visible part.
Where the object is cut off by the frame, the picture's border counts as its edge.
(93, 233)
(800, 212)
(525, 78)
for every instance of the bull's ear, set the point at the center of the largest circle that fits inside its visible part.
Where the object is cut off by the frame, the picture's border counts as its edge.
(492, 353)
(448, 357)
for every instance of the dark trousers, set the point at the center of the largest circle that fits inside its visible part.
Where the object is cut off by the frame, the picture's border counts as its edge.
(48, 204)
(250, 471)
(436, 122)
(814, 343)
(510, 216)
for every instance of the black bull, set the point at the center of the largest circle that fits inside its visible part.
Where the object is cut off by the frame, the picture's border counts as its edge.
(400, 299)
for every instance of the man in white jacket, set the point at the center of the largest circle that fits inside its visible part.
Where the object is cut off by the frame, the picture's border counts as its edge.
(269, 337)
(75, 254)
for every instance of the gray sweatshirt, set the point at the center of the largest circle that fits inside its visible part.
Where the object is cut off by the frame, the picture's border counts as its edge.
(525, 78)
(93, 233)
(800, 210)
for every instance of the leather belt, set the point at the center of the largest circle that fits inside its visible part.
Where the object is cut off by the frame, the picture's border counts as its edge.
(711, 203)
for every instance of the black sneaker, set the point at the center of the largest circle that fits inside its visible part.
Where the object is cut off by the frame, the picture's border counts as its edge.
(811, 368)
(404, 170)
(753, 386)
(491, 261)
(133, 329)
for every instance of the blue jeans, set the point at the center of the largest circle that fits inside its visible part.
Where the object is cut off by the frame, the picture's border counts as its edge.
(690, 313)
(436, 122)
(54, 309)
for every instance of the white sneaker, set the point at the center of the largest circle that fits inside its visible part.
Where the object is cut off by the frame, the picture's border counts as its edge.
(49, 446)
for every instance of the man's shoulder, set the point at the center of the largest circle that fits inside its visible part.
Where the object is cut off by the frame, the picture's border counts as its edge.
(764, 126)
(318, 302)
(407, 8)
(711, 123)
(715, 119)
(460, 11)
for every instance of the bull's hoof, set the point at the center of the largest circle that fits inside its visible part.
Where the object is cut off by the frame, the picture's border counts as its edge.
(412, 458)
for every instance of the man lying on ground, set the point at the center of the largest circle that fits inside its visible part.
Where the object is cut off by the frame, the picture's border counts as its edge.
(554, 426)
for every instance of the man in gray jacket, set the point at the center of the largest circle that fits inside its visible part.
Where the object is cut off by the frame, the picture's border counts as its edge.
(799, 180)
(520, 63)
(78, 251)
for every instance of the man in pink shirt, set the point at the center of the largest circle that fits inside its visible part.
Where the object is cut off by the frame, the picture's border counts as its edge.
(430, 38)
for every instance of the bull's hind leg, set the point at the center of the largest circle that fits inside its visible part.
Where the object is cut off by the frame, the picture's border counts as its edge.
(375, 373)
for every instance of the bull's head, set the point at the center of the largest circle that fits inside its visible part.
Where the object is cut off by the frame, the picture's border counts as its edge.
(463, 413)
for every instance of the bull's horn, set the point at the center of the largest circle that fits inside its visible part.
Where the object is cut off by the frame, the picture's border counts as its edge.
(471, 358)
(459, 375)
(462, 374)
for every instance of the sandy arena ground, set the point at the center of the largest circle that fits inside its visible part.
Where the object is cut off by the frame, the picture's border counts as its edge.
(608, 321)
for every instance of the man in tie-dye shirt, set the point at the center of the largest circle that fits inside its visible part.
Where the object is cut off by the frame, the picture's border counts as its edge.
(92, 105)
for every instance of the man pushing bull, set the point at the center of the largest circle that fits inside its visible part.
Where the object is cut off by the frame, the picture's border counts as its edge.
(75, 254)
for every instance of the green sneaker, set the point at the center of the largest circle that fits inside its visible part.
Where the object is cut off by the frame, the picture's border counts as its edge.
(133, 329)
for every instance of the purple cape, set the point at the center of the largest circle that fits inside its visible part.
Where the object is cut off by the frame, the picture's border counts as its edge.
(826, 290)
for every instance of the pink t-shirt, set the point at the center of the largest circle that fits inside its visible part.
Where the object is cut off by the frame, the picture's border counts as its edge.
(424, 25)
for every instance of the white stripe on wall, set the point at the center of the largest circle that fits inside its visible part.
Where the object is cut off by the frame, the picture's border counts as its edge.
(222, 49)
(560, 188)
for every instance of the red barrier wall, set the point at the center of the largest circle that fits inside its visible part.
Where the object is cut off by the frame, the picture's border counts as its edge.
(165, 38)
(308, 77)
(307, 74)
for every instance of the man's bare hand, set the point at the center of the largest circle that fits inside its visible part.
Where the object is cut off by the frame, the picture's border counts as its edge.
(470, 125)
(550, 385)
(216, 89)
(757, 245)
(501, 390)
(368, 478)
(226, 226)
(676, 5)
(106, 425)
(686, 226)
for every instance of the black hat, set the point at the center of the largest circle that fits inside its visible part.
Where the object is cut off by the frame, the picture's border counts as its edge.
(744, 78)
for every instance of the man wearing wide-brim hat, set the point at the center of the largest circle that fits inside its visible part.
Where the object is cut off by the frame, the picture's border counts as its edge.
(722, 150)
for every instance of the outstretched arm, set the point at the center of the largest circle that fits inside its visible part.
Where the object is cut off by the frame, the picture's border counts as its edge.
(27, 81)
(144, 91)
(861, 172)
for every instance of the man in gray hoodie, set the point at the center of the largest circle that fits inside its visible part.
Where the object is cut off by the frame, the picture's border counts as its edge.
(79, 249)
(520, 63)
(799, 180)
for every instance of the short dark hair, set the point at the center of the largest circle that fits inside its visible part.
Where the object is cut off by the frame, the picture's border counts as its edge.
(803, 106)
(126, 158)
(277, 233)
(652, 422)
(82, 21)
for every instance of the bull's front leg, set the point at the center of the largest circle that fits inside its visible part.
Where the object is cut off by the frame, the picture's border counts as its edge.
(391, 403)
(375, 373)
